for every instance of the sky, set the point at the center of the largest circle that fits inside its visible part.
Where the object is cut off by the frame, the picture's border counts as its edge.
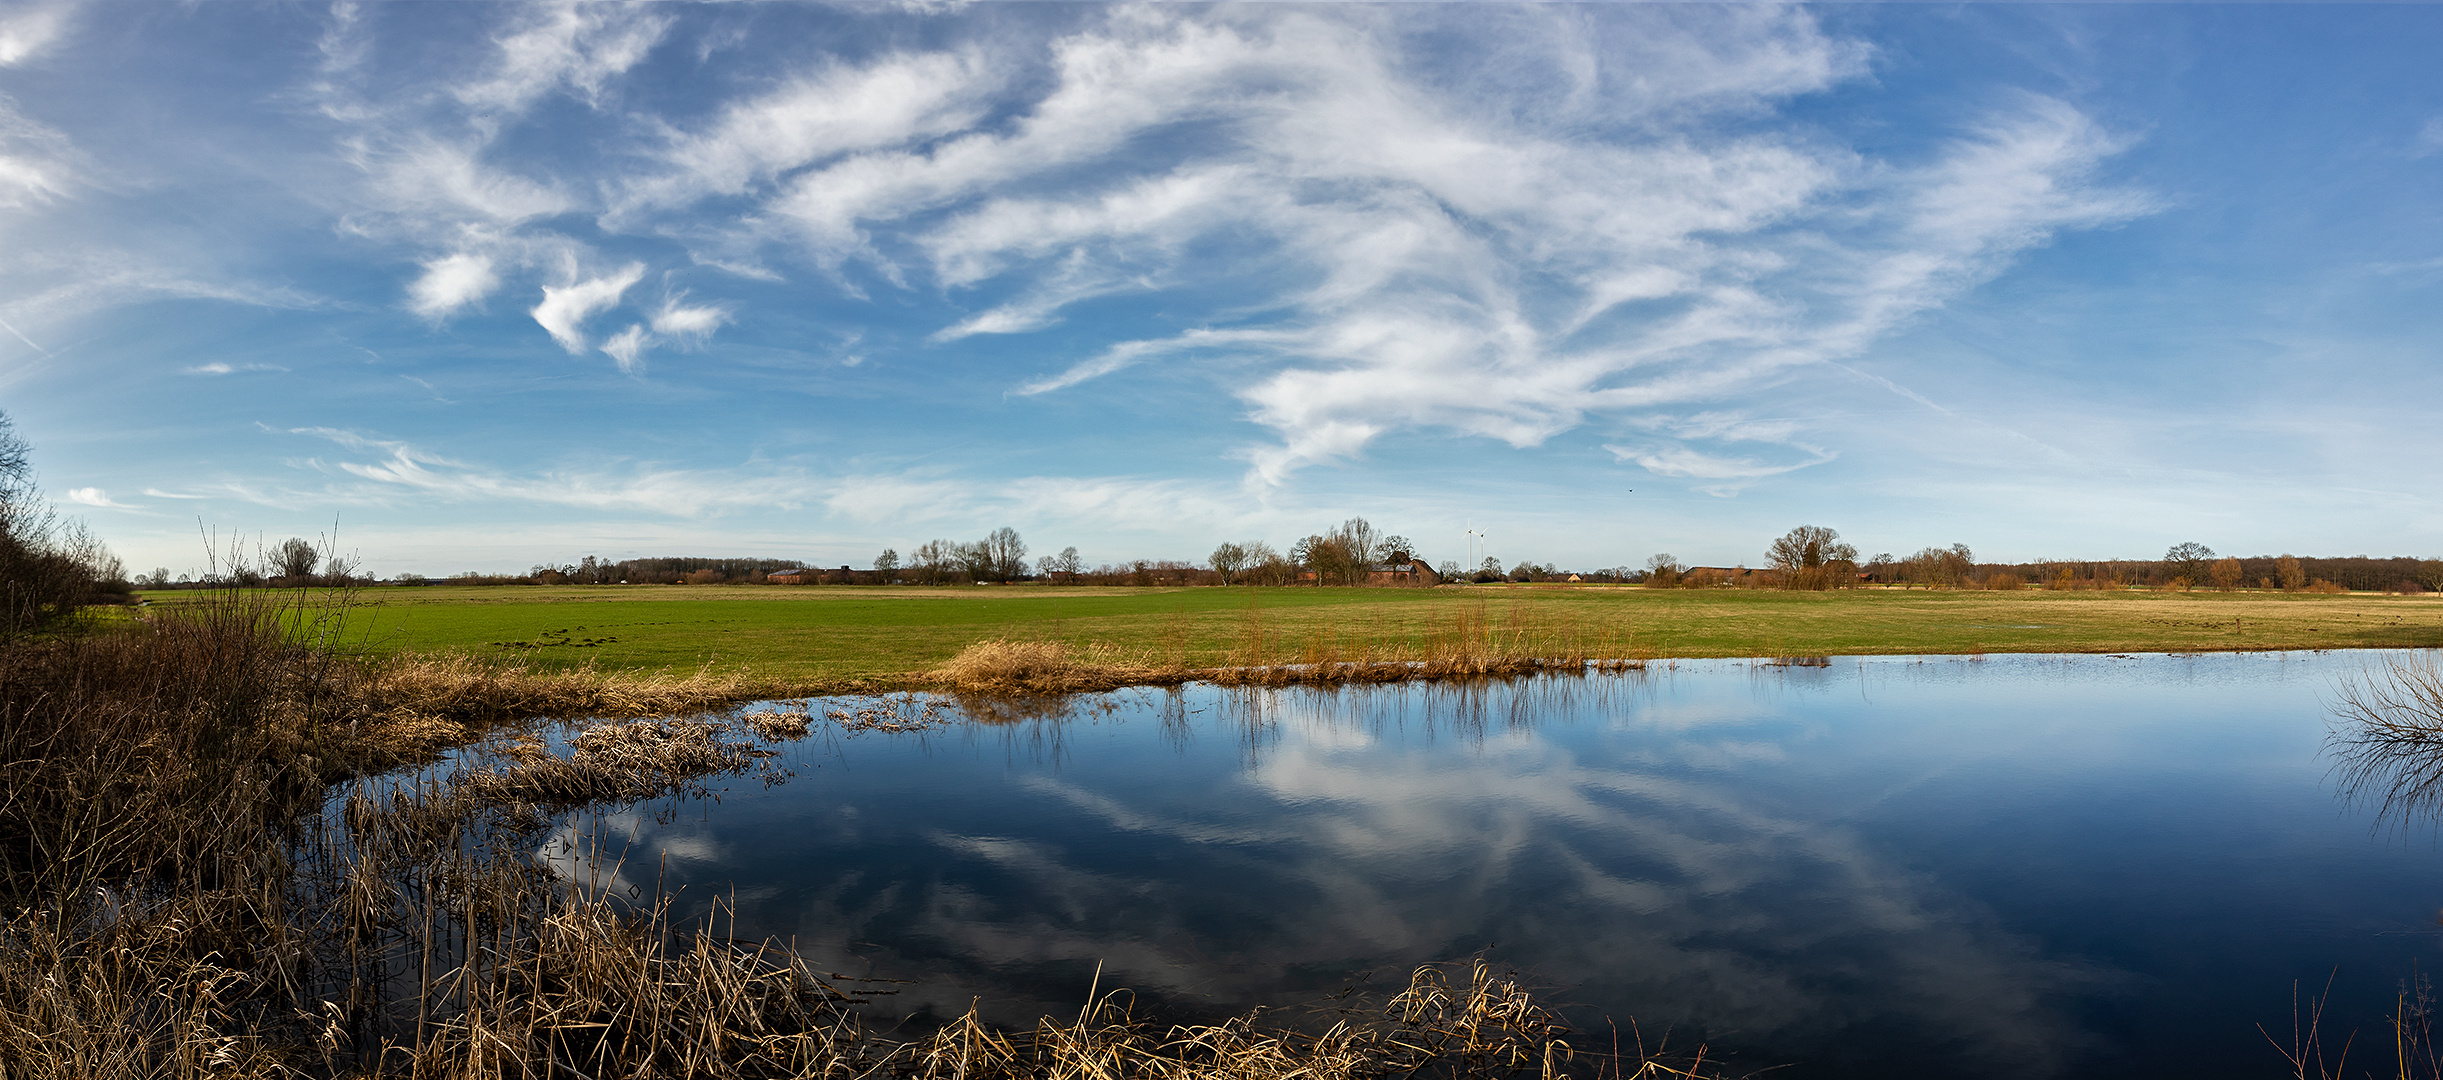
(481, 287)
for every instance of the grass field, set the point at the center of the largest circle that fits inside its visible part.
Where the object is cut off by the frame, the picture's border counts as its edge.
(814, 635)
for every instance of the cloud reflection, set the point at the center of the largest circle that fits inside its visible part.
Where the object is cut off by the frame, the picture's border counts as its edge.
(1619, 847)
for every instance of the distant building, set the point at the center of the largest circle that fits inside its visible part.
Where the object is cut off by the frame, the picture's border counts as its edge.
(1412, 572)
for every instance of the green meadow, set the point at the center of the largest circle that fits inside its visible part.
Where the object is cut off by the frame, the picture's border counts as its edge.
(815, 635)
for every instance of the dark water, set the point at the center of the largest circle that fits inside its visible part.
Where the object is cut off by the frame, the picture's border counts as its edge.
(2021, 866)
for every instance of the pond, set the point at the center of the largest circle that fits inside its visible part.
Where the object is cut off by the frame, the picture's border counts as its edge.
(1942, 866)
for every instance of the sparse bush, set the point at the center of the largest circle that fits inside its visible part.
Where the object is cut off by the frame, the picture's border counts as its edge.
(48, 568)
(1663, 571)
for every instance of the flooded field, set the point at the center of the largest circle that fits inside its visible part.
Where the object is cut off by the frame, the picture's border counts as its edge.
(2016, 866)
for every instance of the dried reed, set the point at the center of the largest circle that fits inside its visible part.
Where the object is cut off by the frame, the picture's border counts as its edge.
(1473, 645)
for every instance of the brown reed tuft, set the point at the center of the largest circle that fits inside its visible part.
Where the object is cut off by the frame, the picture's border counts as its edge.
(1474, 644)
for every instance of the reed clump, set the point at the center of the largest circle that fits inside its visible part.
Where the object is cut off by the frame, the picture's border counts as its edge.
(619, 762)
(1471, 644)
(1049, 667)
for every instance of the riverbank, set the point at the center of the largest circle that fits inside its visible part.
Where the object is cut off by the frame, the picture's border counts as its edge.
(778, 641)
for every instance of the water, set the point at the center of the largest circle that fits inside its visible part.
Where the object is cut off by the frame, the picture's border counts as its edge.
(2017, 866)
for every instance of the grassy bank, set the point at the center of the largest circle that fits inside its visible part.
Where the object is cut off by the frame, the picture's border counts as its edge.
(806, 638)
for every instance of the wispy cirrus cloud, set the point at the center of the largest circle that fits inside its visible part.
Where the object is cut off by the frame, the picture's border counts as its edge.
(1456, 267)
(224, 368)
(400, 469)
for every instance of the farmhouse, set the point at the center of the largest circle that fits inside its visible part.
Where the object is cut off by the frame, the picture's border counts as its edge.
(1411, 572)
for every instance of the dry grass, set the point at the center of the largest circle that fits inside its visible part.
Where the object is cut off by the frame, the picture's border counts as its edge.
(1473, 644)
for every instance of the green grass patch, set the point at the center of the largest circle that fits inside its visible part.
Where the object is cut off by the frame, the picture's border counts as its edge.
(816, 634)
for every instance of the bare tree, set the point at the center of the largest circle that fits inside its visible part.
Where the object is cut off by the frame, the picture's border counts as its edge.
(1362, 544)
(1398, 549)
(2187, 560)
(936, 562)
(1939, 566)
(1228, 560)
(1268, 567)
(886, 565)
(1005, 554)
(2225, 574)
(1812, 557)
(294, 559)
(1663, 570)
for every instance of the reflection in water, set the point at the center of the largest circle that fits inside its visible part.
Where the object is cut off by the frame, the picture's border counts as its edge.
(1997, 869)
(2387, 738)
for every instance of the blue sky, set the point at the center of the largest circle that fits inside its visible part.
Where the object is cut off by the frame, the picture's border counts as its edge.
(488, 286)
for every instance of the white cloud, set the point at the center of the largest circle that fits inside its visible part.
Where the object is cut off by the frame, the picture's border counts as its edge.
(452, 282)
(1127, 353)
(572, 47)
(1681, 461)
(565, 308)
(431, 180)
(27, 29)
(1571, 228)
(221, 367)
(679, 319)
(93, 496)
(842, 109)
(628, 348)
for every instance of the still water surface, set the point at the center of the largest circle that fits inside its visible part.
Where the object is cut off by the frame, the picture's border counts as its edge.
(2018, 866)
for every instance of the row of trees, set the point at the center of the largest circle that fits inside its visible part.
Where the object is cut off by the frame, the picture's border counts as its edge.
(1807, 557)
(1814, 557)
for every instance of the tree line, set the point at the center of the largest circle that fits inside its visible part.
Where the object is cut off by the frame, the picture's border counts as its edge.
(1355, 552)
(1815, 557)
